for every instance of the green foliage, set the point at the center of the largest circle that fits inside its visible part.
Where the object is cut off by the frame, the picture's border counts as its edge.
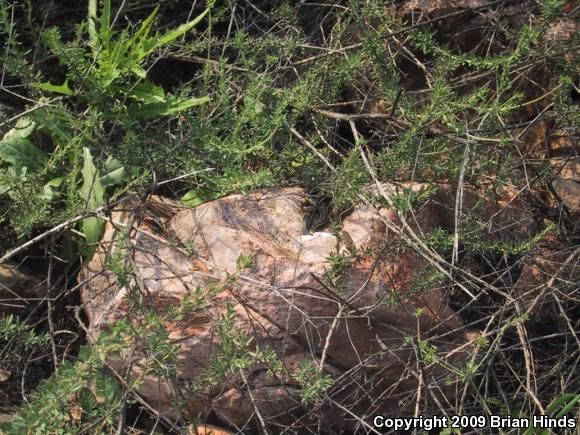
(118, 264)
(234, 344)
(408, 199)
(313, 382)
(339, 263)
(189, 303)
(111, 84)
(198, 196)
(245, 261)
(190, 247)
(347, 182)
(115, 71)
(81, 398)
(12, 328)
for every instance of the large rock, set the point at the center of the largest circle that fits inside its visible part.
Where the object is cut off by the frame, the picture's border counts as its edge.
(288, 302)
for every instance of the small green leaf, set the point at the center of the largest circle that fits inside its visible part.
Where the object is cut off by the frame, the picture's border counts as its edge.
(114, 173)
(169, 107)
(198, 196)
(61, 89)
(159, 41)
(55, 182)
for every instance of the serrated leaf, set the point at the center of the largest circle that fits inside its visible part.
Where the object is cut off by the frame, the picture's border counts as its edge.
(85, 353)
(55, 122)
(23, 128)
(61, 89)
(170, 107)
(21, 153)
(147, 92)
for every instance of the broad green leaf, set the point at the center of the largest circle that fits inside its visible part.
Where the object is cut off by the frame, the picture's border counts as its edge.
(114, 173)
(92, 190)
(21, 153)
(147, 92)
(92, 26)
(152, 110)
(159, 41)
(61, 89)
(92, 228)
(105, 24)
(93, 194)
(23, 128)
(199, 196)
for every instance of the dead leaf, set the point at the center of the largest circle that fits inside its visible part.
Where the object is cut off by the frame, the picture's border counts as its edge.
(4, 375)
(206, 429)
